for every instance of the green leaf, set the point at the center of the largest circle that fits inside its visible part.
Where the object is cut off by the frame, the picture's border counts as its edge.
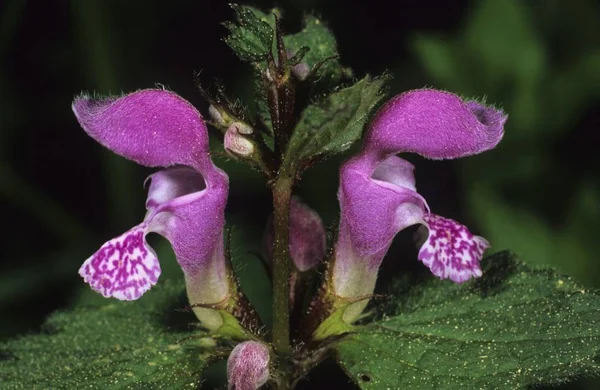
(321, 42)
(299, 56)
(334, 124)
(267, 17)
(514, 327)
(252, 38)
(141, 344)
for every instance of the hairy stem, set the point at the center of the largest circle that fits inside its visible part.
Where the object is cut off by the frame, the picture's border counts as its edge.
(281, 97)
(282, 192)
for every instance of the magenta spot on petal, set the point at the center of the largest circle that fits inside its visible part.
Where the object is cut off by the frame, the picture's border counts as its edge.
(451, 250)
(123, 267)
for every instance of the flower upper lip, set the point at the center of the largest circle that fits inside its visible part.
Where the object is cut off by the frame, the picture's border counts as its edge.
(434, 124)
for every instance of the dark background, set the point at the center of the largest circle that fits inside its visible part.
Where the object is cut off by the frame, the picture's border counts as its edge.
(62, 195)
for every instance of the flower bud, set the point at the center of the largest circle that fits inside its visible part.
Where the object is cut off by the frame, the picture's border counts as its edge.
(248, 366)
(216, 116)
(307, 236)
(236, 143)
(301, 71)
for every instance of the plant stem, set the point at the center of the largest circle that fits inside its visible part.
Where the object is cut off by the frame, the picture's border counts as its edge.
(281, 97)
(282, 192)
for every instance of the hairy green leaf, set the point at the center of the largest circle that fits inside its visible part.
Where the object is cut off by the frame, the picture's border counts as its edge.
(299, 56)
(148, 343)
(321, 42)
(314, 46)
(267, 17)
(251, 38)
(514, 327)
(334, 124)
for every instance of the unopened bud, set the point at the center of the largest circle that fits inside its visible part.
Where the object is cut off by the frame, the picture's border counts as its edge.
(216, 116)
(248, 366)
(235, 141)
(301, 71)
(308, 241)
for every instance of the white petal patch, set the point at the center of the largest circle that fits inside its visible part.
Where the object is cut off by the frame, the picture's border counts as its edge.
(124, 267)
(451, 251)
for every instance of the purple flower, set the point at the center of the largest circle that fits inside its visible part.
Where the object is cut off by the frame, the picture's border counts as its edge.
(308, 239)
(248, 366)
(378, 196)
(186, 200)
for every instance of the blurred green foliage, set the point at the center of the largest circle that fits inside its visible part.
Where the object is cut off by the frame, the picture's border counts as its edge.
(528, 195)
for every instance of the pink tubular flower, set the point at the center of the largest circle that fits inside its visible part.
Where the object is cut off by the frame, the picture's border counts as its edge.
(248, 366)
(308, 239)
(378, 196)
(186, 200)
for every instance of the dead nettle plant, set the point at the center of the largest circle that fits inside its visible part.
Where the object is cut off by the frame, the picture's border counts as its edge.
(475, 323)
